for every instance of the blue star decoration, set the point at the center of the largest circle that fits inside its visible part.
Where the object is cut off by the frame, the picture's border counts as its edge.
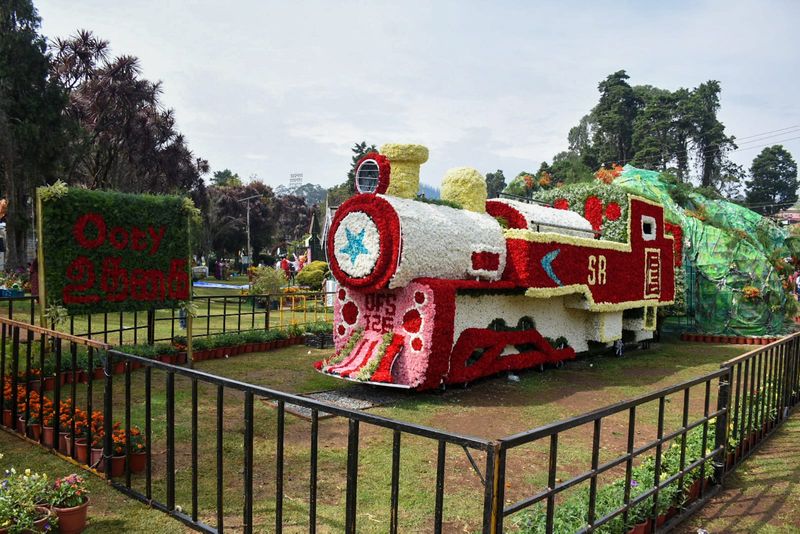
(355, 245)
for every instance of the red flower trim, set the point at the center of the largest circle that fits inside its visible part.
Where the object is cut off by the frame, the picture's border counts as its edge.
(492, 343)
(613, 211)
(388, 224)
(513, 217)
(384, 371)
(677, 233)
(561, 204)
(384, 170)
(593, 212)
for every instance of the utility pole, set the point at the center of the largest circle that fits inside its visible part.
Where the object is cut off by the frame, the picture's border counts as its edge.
(249, 247)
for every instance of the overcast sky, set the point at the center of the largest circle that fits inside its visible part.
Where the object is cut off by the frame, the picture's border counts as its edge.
(273, 88)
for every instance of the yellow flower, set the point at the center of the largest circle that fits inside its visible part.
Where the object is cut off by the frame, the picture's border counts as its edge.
(28, 472)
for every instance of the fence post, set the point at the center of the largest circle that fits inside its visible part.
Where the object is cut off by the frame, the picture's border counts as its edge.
(721, 430)
(493, 491)
(151, 327)
(108, 403)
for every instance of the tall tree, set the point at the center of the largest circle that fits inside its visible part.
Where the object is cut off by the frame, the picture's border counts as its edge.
(614, 115)
(225, 227)
(773, 184)
(569, 168)
(711, 143)
(31, 129)
(225, 178)
(129, 140)
(495, 183)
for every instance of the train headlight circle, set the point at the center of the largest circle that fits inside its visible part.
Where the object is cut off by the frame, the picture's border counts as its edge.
(357, 244)
(373, 172)
(367, 176)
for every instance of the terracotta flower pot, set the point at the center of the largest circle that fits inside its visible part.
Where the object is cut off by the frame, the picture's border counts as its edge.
(180, 358)
(50, 383)
(7, 420)
(694, 491)
(47, 436)
(96, 460)
(36, 431)
(81, 450)
(640, 528)
(730, 459)
(21, 425)
(98, 373)
(72, 520)
(117, 466)
(138, 462)
(165, 358)
(64, 443)
(119, 368)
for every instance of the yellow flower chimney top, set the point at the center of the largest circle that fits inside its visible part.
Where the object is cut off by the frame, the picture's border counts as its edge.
(405, 161)
(465, 186)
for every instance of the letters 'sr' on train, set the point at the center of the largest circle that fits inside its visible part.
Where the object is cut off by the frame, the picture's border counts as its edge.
(432, 295)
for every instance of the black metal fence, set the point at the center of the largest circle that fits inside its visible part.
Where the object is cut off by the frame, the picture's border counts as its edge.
(220, 454)
(215, 314)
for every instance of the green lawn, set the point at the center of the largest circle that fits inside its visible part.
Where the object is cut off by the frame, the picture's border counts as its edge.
(491, 408)
(109, 510)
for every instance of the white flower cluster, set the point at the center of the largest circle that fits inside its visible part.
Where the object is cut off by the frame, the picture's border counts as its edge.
(356, 244)
(438, 242)
(546, 219)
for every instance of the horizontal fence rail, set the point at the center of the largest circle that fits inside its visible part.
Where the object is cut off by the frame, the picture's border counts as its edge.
(218, 453)
(216, 314)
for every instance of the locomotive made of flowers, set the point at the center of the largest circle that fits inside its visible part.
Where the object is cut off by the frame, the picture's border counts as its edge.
(433, 295)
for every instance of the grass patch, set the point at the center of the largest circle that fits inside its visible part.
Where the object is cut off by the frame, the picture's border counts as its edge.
(490, 408)
(109, 510)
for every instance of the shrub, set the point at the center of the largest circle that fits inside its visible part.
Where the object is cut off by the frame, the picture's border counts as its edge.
(313, 275)
(267, 280)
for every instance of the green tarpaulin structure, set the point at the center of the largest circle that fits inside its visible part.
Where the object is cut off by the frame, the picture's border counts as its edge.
(726, 248)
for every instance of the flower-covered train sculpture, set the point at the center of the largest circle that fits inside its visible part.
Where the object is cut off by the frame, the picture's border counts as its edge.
(433, 295)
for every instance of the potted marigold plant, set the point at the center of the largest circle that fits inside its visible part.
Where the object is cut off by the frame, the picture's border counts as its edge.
(138, 450)
(70, 501)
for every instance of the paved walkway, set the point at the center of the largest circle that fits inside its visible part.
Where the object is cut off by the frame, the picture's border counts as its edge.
(762, 495)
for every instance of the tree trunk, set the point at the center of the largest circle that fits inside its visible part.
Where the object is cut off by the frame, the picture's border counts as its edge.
(17, 222)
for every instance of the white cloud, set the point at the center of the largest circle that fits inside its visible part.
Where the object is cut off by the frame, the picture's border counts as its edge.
(273, 88)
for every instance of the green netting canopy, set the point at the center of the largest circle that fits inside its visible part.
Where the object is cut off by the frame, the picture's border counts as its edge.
(726, 248)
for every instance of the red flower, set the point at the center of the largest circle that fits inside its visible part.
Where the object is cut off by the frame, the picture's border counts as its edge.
(561, 204)
(613, 211)
(593, 212)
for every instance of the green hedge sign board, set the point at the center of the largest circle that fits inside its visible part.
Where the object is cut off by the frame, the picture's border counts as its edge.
(105, 251)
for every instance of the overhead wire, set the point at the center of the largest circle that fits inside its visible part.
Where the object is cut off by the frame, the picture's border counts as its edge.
(708, 150)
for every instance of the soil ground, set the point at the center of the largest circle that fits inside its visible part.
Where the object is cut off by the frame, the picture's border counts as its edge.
(763, 494)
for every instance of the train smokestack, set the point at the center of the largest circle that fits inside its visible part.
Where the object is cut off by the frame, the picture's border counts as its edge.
(405, 161)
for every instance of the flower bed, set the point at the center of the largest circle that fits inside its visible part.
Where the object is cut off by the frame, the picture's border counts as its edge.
(30, 502)
(572, 514)
(735, 340)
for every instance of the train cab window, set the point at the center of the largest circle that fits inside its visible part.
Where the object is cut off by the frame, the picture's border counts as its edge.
(648, 228)
(367, 176)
